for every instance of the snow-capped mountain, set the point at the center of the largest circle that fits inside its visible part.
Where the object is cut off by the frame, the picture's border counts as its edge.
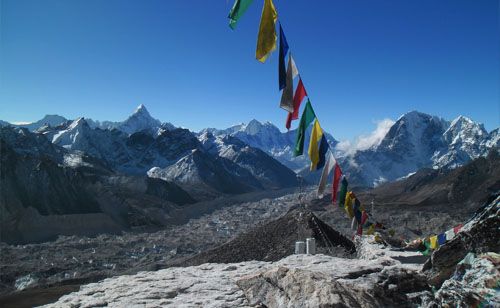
(139, 121)
(202, 174)
(418, 140)
(268, 171)
(270, 139)
(47, 120)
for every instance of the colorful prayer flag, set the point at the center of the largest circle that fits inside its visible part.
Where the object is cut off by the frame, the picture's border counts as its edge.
(313, 150)
(266, 40)
(307, 117)
(357, 210)
(364, 217)
(323, 148)
(343, 192)
(348, 204)
(330, 163)
(281, 62)
(239, 8)
(457, 228)
(441, 239)
(287, 94)
(371, 229)
(337, 173)
(434, 242)
(300, 93)
(295, 71)
(450, 234)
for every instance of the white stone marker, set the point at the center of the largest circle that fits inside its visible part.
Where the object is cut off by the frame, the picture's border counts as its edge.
(311, 246)
(300, 247)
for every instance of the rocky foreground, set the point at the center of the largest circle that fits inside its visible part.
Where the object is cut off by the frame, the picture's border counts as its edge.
(379, 277)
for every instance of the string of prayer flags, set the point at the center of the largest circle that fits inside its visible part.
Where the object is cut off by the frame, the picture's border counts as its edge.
(348, 204)
(343, 192)
(329, 165)
(287, 94)
(316, 135)
(307, 117)
(441, 239)
(434, 242)
(337, 174)
(323, 148)
(239, 8)
(266, 40)
(300, 93)
(281, 63)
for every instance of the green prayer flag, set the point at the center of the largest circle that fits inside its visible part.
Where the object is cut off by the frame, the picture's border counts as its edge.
(239, 8)
(306, 119)
(343, 192)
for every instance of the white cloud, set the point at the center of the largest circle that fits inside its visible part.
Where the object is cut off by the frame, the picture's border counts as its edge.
(365, 142)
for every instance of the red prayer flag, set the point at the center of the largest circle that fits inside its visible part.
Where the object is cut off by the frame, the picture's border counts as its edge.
(457, 228)
(364, 217)
(360, 230)
(337, 174)
(300, 93)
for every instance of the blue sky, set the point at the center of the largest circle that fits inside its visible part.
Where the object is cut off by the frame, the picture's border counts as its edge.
(361, 61)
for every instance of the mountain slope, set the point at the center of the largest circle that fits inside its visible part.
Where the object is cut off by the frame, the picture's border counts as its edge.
(415, 141)
(269, 172)
(47, 190)
(268, 138)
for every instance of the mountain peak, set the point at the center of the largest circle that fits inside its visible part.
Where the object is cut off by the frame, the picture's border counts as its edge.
(141, 109)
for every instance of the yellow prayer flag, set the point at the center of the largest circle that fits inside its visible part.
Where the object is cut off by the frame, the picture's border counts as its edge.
(434, 242)
(266, 41)
(349, 198)
(313, 150)
(371, 230)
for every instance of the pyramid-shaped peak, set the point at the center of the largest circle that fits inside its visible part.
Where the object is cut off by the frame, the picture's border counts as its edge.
(141, 109)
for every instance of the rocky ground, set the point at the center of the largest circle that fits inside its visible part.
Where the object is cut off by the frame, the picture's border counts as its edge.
(73, 260)
(381, 276)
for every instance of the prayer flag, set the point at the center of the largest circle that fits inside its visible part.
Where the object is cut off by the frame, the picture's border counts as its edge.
(457, 228)
(348, 204)
(330, 163)
(343, 192)
(337, 173)
(295, 71)
(300, 93)
(441, 239)
(357, 210)
(353, 223)
(364, 217)
(371, 229)
(316, 135)
(450, 234)
(266, 40)
(434, 242)
(239, 8)
(307, 117)
(323, 148)
(287, 94)
(360, 230)
(281, 62)
(427, 245)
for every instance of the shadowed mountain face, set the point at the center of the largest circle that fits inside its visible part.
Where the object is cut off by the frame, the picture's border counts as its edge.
(459, 190)
(47, 190)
